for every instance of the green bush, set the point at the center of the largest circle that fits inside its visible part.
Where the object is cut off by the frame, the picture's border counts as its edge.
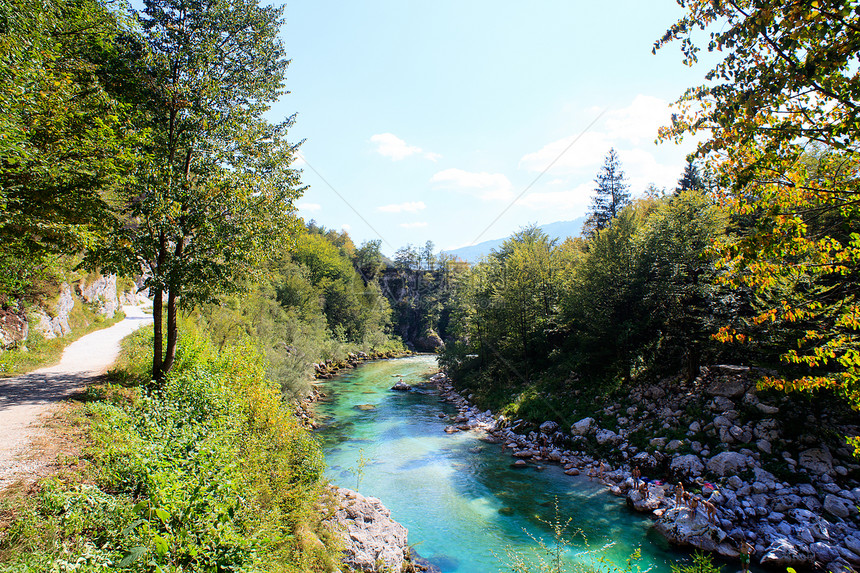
(210, 473)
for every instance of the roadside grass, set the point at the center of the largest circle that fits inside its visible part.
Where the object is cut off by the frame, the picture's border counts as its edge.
(211, 472)
(42, 352)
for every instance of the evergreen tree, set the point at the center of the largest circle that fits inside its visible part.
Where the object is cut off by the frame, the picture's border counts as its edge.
(611, 195)
(691, 180)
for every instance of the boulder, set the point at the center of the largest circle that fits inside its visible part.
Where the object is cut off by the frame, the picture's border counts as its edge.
(681, 526)
(783, 553)
(727, 386)
(402, 386)
(838, 506)
(582, 427)
(816, 460)
(371, 537)
(548, 427)
(607, 437)
(688, 466)
(729, 463)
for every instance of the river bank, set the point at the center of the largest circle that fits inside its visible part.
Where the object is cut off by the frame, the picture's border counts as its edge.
(463, 504)
(808, 522)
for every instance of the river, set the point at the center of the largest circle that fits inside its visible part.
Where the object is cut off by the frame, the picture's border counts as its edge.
(467, 509)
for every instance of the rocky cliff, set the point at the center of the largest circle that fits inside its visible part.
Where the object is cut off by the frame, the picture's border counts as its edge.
(52, 319)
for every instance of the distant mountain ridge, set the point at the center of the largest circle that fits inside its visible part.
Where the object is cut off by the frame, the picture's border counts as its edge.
(559, 230)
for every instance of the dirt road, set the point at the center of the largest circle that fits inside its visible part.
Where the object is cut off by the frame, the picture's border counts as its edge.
(25, 400)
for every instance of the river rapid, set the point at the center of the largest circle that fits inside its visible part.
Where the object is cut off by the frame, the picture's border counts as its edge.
(467, 509)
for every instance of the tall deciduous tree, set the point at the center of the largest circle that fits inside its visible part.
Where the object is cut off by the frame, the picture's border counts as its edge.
(783, 116)
(217, 191)
(65, 140)
(611, 195)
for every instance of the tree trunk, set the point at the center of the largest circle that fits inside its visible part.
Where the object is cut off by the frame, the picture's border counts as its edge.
(157, 314)
(157, 372)
(172, 329)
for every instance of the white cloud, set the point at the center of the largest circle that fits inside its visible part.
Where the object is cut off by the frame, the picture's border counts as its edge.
(485, 186)
(415, 225)
(408, 207)
(573, 200)
(346, 227)
(638, 123)
(389, 145)
(312, 207)
(634, 125)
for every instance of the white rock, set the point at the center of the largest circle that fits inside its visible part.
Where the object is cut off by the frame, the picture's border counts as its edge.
(783, 553)
(605, 436)
(729, 463)
(816, 460)
(582, 427)
(689, 466)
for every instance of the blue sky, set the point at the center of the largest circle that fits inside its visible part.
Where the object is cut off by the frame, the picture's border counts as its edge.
(429, 120)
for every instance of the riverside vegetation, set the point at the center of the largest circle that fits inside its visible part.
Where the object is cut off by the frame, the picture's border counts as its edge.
(131, 149)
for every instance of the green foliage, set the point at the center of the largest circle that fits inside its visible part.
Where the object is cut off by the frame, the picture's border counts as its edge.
(66, 142)
(782, 120)
(209, 473)
(702, 563)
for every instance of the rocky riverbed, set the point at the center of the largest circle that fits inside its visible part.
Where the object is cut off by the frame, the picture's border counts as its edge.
(725, 443)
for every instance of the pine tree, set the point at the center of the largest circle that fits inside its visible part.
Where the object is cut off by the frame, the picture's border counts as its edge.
(691, 180)
(611, 195)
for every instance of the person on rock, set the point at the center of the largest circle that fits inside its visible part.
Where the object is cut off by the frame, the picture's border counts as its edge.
(644, 491)
(679, 494)
(745, 550)
(636, 473)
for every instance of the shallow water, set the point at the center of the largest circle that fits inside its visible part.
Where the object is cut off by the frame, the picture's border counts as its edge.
(464, 504)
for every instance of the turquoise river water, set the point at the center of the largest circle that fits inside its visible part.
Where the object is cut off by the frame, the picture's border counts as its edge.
(463, 503)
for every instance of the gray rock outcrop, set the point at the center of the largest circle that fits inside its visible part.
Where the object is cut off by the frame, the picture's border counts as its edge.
(374, 541)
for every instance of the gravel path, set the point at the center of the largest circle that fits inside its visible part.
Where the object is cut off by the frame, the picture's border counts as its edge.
(27, 399)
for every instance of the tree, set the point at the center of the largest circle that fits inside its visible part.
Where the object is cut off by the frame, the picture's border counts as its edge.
(691, 180)
(368, 259)
(217, 192)
(611, 195)
(65, 140)
(784, 125)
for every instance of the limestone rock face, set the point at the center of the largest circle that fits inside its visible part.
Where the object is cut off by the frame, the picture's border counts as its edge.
(51, 327)
(101, 293)
(373, 539)
(13, 328)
